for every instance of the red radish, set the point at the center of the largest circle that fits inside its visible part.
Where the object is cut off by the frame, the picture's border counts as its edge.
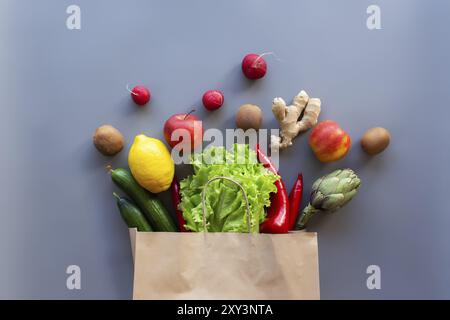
(212, 99)
(254, 66)
(140, 95)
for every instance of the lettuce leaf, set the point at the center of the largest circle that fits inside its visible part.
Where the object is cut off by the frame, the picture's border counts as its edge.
(225, 205)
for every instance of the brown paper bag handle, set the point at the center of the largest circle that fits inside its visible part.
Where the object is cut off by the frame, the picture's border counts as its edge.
(243, 192)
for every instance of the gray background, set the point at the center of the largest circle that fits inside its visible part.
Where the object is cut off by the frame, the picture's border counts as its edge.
(57, 86)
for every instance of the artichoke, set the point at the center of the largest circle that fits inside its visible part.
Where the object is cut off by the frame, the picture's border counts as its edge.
(329, 193)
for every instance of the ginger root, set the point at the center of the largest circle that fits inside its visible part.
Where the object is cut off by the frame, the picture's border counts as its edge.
(288, 117)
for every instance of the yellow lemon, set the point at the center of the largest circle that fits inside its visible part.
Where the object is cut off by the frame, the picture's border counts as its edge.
(151, 164)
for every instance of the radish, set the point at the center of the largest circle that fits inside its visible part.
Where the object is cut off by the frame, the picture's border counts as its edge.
(213, 99)
(140, 95)
(254, 66)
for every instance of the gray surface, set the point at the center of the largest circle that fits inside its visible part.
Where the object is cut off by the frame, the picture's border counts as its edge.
(57, 86)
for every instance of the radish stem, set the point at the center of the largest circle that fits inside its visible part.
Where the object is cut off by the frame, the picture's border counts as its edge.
(131, 91)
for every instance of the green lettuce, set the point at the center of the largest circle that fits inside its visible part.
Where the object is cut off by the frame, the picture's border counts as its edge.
(226, 210)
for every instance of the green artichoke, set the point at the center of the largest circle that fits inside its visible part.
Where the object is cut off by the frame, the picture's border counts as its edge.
(329, 193)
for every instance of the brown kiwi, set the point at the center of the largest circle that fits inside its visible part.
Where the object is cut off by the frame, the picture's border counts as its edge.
(375, 140)
(249, 116)
(108, 140)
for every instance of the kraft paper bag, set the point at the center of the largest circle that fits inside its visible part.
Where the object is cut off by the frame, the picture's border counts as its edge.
(188, 265)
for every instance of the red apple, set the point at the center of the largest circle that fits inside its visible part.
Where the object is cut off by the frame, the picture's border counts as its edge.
(181, 127)
(329, 141)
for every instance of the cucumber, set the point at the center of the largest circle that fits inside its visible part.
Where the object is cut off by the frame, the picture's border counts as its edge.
(131, 214)
(151, 206)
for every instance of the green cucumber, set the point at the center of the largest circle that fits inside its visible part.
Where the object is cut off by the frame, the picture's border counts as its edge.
(131, 214)
(151, 206)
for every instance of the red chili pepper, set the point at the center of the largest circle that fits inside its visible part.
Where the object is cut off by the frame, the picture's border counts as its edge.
(262, 158)
(176, 198)
(295, 199)
(277, 220)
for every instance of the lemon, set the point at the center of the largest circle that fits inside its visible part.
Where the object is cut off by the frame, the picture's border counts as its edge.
(151, 164)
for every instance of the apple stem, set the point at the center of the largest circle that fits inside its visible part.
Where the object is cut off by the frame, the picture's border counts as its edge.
(131, 91)
(188, 114)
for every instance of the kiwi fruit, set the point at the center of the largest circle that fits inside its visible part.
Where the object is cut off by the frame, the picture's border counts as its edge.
(375, 140)
(249, 116)
(108, 140)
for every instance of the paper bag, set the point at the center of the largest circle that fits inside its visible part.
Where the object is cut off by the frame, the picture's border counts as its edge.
(189, 265)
